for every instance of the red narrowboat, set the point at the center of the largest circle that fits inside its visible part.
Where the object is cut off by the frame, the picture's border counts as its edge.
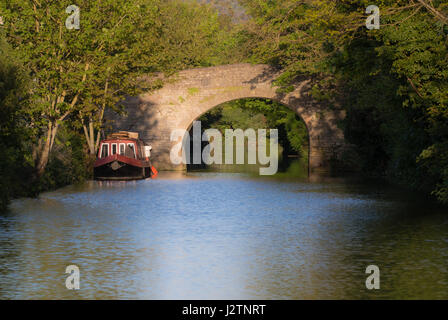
(123, 156)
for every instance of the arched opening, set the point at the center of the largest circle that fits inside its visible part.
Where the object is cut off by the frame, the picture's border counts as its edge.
(256, 113)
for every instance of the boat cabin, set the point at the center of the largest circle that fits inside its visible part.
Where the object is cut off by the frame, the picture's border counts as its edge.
(129, 148)
(123, 156)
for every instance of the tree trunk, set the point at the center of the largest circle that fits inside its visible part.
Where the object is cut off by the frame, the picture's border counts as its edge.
(43, 154)
(90, 131)
(97, 144)
(89, 137)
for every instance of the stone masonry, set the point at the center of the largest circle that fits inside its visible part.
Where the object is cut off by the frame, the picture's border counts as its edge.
(196, 91)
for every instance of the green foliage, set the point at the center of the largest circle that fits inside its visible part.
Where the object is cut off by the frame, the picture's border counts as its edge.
(402, 92)
(293, 134)
(12, 162)
(76, 74)
(119, 44)
(261, 114)
(297, 134)
(392, 82)
(68, 164)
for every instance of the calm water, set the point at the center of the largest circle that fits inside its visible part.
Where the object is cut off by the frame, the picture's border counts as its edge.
(224, 236)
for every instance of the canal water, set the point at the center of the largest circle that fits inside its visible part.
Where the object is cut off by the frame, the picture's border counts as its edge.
(224, 236)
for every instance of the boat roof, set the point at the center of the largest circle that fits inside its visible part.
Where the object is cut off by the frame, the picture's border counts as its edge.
(123, 135)
(120, 139)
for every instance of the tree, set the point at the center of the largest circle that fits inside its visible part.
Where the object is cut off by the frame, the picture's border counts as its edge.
(79, 70)
(261, 114)
(83, 71)
(392, 82)
(13, 84)
(172, 36)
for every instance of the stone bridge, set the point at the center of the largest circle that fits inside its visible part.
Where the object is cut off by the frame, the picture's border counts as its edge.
(196, 91)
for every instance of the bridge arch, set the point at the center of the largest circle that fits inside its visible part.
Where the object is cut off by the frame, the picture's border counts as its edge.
(191, 93)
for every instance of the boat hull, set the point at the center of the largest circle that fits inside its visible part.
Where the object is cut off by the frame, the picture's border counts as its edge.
(118, 167)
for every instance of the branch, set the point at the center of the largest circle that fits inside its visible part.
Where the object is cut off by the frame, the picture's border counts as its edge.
(430, 7)
(407, 18)
(35, 15)
(75, 99)
(414, 87)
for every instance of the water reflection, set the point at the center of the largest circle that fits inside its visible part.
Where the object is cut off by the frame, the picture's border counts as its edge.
(229, 236)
